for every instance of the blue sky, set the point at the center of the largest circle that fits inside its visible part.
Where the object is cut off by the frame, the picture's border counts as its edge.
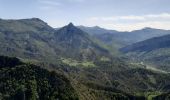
(122, 15)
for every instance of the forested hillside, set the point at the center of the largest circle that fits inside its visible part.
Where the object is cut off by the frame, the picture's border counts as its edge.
(20, 81)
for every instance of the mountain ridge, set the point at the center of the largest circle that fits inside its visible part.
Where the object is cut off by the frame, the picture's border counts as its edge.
(35, 39)
(78, 40)
(153, 43)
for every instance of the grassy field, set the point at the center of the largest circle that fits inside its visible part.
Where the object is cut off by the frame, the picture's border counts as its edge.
(75, 63)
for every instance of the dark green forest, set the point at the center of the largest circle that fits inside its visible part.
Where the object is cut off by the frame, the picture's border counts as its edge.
(20, 81)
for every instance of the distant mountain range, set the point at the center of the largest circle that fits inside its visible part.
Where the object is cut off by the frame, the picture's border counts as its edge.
(114, 40)
(124, 38)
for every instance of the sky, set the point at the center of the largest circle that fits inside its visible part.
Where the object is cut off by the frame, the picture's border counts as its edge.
(121, 15)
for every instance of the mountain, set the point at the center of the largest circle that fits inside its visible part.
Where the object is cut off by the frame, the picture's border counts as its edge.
(105, 37)
(95, 30)
(78, 44)
(97, 33)
(146, 33)
(155, 50)
(24, 25)
(26, 38)
(21, 81)
(114, 40)
(33, 39)
(122, 39)
(149, 45)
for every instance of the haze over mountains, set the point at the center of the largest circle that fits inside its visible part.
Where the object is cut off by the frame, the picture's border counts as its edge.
(93, 63)
(124, 38)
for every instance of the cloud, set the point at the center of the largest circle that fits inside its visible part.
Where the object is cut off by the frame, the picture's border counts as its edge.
(132, 17)
(163, 15)
(136, 26)
(132, 22)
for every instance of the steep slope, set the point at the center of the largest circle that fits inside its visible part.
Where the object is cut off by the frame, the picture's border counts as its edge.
(29, 82)
(26, 38)
(77, 44)
(104, 37)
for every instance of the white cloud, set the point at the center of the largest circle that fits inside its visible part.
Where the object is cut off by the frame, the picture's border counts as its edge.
(136, 26)
(132, 17)
(163, 15)
(132, 22)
